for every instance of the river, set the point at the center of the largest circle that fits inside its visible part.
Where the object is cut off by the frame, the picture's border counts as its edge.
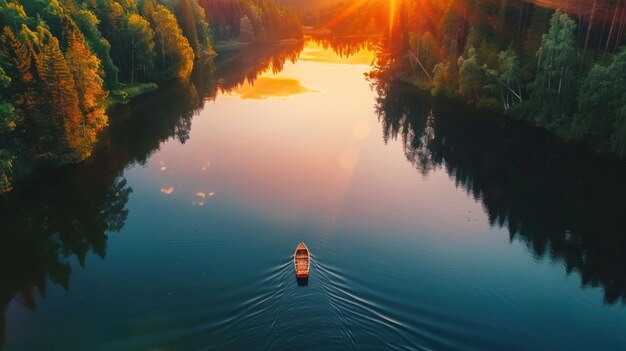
(432, 226)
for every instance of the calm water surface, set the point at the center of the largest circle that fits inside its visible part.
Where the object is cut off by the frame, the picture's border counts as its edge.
(431, 227)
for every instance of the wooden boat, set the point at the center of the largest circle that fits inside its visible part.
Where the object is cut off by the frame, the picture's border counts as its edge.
(302, 261)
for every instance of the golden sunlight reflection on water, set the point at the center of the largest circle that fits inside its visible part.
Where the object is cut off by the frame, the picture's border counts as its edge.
(271, 87)
(305, 156)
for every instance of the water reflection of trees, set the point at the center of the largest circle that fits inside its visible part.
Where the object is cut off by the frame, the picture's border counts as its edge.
(564, 203)
(63, 214)
(246, 64)
(346, 46)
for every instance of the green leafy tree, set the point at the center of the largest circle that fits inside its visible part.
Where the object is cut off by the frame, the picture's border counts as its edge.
(88, 24)
(112, 25)
(472, 76)
(141, 40)
(602, 101)
(553, 90)
(175, 54)
(443, 79)
(507, 78)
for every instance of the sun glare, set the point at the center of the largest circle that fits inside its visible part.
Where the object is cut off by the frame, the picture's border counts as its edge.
(347, 12)
(393, 4)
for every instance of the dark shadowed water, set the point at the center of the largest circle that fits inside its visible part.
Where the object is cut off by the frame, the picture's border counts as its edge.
(432, 227)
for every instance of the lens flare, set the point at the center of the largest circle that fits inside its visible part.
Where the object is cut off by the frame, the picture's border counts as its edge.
(393, 6)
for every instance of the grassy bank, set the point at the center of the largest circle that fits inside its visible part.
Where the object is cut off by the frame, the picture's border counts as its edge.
(124, 94)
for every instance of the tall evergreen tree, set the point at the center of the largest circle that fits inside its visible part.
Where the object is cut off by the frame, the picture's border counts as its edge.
(7, 125)
(61, 137)
(187, 22)
(87, 74)
(17, 59)
(88, 24)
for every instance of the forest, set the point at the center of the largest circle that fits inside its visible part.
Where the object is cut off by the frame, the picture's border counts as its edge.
(557, 64)
(256, 21)
(64, 62)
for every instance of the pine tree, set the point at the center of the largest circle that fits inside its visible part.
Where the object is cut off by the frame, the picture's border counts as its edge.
(204, 32)
(187, 22)
(12, 14)
(87, 74)
(17, 59)
(88, 24)
(7, 125)
(62, 137)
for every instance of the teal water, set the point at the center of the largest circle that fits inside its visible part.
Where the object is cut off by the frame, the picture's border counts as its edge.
(432, 227)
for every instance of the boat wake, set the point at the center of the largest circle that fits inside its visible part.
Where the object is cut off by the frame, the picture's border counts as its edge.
(284, 315)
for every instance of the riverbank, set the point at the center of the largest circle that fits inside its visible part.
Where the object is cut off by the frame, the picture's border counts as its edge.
(564, 130)
(126, 93)
(17, 167)
(176, 175)
(229, 45)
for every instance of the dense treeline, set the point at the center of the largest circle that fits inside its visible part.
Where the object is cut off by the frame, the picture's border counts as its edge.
(561, 69)
(61, 59)
(251, 20)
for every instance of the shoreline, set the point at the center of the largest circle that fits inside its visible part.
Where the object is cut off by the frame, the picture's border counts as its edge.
(228, 45)
(561, 132)
(127, 93)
